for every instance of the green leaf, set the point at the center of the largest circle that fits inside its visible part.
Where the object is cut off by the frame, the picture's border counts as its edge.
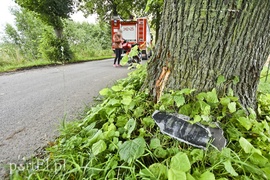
(128, 92)
(245, 122)
(146, 174)
(126, 100)
(207, 176)
(252, 114)
(258, 159)
(234, 99)
(138, 112)
(187, 91)
(114, 102)
(167, 100)
(190, 177)
(229, 168)
(94, 137)
(155, 143)
(221, 79)
(134, 51)
(131, 105)
(121, 121)
(142, 132)
(110, 132)
(113, 143)
(212, 96)
(267, 171)
(226, 153)
(176, 175)
(89, 127)
(186, 109)
(110, 110)
(205, 118)
(159, 170)
(148, 122)
(160, 152)
(201, 96)
(104, 92)
(265, 125)
(196, 155)
(179, 100)
(197, 118)
(246, 146)
(225, 101)
(180, 162)
(124, 60)
(117, 88)
(232, 107)
(235, 80)
(205, 108)
(130, 126)
(131, 150)
(230, 93)
(99, 147)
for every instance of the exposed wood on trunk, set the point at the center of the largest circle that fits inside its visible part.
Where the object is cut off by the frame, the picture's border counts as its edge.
(161, 82)
(201, 40)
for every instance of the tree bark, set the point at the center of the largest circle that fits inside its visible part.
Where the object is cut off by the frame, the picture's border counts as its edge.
(202, 40)
(58, 32)
(158, 17)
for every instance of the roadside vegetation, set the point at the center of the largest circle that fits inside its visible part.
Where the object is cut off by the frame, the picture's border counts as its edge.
(32, 43)
(264, 85)
(118, 139)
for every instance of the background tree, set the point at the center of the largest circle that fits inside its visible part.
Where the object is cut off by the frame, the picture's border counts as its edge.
(211, 44)
(125, 9)
(27, 34)
(20, 43)
(109, 8)
(50, 11)
(12, 36)
(154, 8)
(88, 40)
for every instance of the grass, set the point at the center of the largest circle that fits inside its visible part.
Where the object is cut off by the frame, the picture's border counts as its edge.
(21, 65)
(12, 59)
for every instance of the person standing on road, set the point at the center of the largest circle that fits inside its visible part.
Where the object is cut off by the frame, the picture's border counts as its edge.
(118, 40)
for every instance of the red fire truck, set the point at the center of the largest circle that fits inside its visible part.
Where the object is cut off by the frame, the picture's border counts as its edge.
(134, 32)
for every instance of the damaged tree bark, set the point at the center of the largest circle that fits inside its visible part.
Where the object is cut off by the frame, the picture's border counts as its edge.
(203, 40)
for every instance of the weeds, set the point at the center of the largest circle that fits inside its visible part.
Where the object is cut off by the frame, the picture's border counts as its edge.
(11, 58)
(118, 139)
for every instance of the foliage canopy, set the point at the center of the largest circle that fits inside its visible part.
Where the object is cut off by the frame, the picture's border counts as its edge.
(107, 9)
(50, 11)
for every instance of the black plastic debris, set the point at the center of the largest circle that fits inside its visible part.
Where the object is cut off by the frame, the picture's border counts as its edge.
(178, 127)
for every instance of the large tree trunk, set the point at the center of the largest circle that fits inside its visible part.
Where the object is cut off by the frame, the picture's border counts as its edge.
(157, 24)
(204, 39)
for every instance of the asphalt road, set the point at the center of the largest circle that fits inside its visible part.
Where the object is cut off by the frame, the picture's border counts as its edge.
(33, 103)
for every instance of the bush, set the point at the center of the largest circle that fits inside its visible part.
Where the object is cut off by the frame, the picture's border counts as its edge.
(10, 54)
(118, 139)
(55, 49)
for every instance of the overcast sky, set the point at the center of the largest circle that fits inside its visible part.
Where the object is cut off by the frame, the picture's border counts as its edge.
(5, 14)
(6, 17)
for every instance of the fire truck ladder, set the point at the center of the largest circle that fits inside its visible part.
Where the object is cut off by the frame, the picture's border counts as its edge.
(141, 36)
